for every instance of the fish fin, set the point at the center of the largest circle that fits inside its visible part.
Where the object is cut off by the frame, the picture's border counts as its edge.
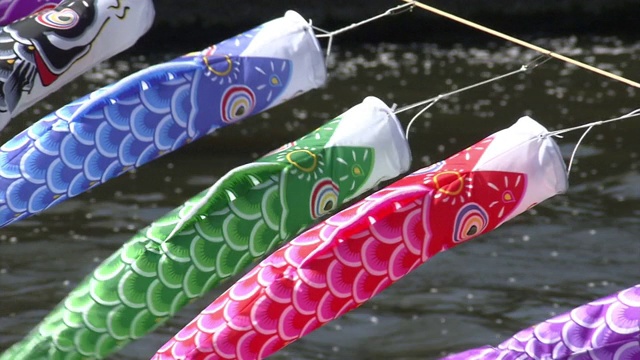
(13, 87)
(234, 184)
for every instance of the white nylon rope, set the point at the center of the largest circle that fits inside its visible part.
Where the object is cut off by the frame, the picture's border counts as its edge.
(429, 102)
(524, 68)
(330, 34)
(588, 126)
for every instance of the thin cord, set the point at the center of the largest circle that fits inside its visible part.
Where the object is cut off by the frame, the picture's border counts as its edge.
(557, 133)
(523, 43)
(430, 102)
(318, 29)
(524, 68)
(330, 34)
(406, 134)
(393, 11)
(588, 126)
(575, 149)
(633, 113)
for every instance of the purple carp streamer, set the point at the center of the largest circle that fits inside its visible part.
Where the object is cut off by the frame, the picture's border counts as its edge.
(605, 329)
(46, 50)
(12, 10)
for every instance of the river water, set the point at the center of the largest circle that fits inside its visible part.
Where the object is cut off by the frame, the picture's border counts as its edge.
(568, 250)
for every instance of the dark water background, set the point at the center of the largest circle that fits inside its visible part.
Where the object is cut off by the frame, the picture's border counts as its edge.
(568, 250)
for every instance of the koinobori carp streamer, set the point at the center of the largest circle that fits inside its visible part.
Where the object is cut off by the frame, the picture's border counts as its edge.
(216, 234)
(607, 328)
(156, 111)
(46, 50)
(346, 260)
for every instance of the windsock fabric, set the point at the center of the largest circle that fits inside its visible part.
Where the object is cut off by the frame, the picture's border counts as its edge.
(46, 50)
(219, 232)
(346, 260)
(605, 329)
(12, 10)
(156, 111)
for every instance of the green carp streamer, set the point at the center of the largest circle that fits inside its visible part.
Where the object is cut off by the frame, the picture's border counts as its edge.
(213, 236)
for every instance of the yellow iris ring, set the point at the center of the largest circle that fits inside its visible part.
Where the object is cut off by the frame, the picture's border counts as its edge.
(302, 168)
(331, 196)
(60, 19)
(476, 221)
(235, 107)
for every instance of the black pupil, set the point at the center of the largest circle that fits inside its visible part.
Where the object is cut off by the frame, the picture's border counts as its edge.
(328, 205)
(65, 18)
(240, 111)
(472, 230)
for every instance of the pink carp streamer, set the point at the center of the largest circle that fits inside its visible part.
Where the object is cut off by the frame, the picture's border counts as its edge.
(605, 329)
(354, 255)
(12, 10)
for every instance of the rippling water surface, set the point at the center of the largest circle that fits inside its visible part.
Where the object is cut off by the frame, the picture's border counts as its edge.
(569, 250)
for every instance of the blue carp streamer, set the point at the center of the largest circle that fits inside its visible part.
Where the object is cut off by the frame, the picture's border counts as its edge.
(140, 118)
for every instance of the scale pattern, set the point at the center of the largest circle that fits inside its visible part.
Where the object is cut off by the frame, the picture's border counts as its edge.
(212, 237)
(11, 10)
(126, 125)
(354, 255)
(605, 329)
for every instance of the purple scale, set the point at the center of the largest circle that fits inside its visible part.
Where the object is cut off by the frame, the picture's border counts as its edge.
(605, 329)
